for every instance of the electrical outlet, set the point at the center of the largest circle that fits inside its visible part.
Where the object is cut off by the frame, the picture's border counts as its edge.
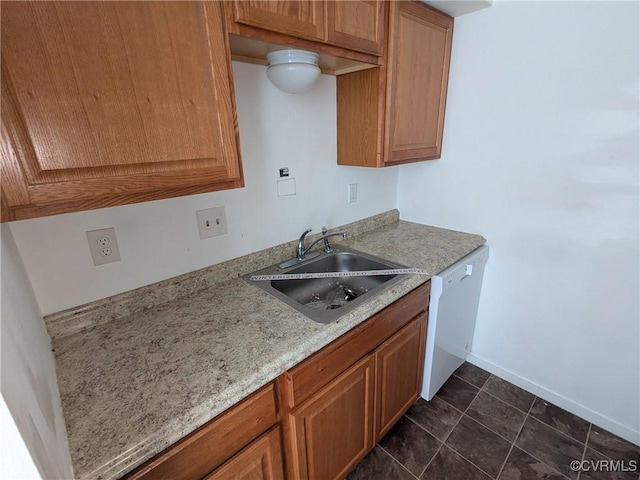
(211, 222)
(103, 245)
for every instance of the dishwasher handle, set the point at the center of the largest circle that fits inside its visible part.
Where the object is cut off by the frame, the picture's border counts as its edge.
(469, 266)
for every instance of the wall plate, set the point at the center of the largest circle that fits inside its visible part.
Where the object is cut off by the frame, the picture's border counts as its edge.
(286, 187)
(352, 192)
(211, 222)
(103, 245)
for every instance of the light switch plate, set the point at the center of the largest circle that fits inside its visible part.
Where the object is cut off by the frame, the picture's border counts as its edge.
(211, 222)
(353, 192)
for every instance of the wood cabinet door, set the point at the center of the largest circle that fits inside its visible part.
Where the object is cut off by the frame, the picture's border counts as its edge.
(333, 430)
(418, 71)
(106, 103)
(262, 460)
(357, 24)
(297, 18)
(399, 370)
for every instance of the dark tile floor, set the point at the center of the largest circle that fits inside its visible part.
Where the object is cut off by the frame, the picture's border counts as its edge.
(479, 426)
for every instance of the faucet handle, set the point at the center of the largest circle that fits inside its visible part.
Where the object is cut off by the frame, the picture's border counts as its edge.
(300, 250)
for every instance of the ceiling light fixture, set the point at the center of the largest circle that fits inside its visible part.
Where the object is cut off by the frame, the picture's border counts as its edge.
(293, 71)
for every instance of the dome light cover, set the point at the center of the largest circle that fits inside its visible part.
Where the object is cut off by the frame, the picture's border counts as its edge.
(293, 71)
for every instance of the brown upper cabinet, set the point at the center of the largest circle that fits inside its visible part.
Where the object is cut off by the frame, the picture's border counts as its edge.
(356, 25)
(395, 114)
(304, 19)
(110, 103)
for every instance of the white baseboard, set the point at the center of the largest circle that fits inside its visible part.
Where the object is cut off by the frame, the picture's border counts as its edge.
(569, 405)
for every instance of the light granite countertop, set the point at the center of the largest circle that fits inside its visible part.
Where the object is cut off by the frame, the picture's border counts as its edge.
(141, 370)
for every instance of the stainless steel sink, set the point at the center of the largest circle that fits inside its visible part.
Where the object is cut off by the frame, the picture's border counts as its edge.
(323, 300)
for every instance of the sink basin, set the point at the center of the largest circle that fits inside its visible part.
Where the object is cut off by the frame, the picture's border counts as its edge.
(324, 300)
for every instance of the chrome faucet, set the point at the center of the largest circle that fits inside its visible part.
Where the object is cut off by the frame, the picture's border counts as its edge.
(301, 250)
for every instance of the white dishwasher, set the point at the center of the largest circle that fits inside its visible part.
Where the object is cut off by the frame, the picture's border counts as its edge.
(455, 293)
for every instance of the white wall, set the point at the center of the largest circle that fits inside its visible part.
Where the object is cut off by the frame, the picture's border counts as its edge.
(15, 460)
(160, 239)
(541, 157)
(27, 381)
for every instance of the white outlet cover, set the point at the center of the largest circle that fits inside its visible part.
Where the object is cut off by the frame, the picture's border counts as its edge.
(286, 187)
(103, 245)
(211, 222)
(352, 192)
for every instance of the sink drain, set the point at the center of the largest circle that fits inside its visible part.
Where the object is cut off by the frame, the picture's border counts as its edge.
(336, 298)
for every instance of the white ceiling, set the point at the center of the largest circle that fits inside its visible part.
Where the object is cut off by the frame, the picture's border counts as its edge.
(455, 8)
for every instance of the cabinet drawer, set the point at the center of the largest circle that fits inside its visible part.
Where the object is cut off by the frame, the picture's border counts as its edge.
(304, 379)
(262, 460)
(202, 451)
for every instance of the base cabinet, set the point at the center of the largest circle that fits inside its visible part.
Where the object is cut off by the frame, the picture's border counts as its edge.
(399, 369)
(329, 429)
(317, 420)
(333, 429)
